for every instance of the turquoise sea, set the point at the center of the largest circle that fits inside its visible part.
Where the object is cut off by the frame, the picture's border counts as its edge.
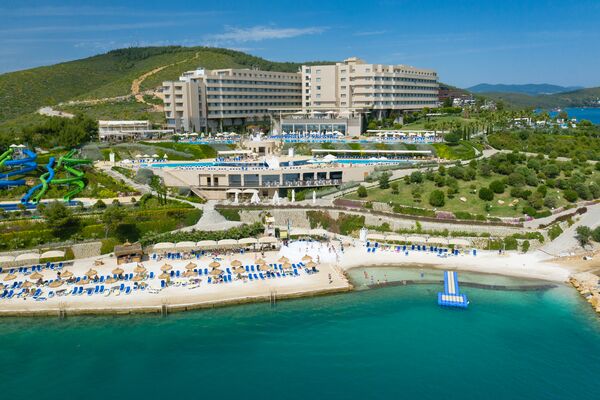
(393, 342)
(591, 114)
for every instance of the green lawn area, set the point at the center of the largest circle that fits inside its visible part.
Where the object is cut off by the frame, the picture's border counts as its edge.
(421, 123)
(462, 151)
(196, 151)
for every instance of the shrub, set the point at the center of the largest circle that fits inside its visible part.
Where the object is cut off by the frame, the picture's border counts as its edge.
(362, 191)
(486, 194)
(437, 198)
(497, 187)
(596, 234)
(394, 187)
(384, 181)
(570, 195)
(554, 232)
(525, 246)
(230, 214)
(416, 177)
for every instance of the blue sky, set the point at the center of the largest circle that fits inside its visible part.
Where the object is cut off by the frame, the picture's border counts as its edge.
(467, 42)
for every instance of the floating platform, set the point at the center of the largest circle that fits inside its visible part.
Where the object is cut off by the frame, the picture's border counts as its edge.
(451, 296)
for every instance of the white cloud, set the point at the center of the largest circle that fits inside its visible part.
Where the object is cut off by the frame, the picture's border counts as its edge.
(370, 33)
(88, 28)
(77, 11)
(259, 33)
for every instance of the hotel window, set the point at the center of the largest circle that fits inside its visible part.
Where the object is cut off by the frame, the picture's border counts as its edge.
(318, 87)
(319, 71)
(318, 95)
(318, 79)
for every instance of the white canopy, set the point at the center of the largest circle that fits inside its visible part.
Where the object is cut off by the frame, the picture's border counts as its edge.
(437, 240)
(227, 242)
(267, 239)
(6, 259)
(163, 246)
(53, 254)
(319, 232)
(205, 244)
(185, 245)
(375, 236)
(248, 241)
(27, 257)
(459, 242)
(395, 238)
(416, 239)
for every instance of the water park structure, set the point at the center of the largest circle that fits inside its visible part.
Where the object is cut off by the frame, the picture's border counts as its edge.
(74, 178)
(16, 166)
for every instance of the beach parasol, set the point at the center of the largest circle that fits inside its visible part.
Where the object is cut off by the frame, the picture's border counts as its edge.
(110, 280)
(117, 271)
(260, 261)
(287, 265)
(66, 274)
(191, 266)
(307, 258)
(166, 267)
(138, 278)
(139, 269)
(240, 270)
(9, 277)
(216, 272)
(56, 283)
(83, 282)
(91, 272)
(214, 264)
(190, 273)
(35, 276)
(284, 259)
(311, 265)
(236, 263)
(27, 284)
(164, 275)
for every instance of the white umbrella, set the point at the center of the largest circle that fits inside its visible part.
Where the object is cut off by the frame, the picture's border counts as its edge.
(255, 199)
(314, 197)
(235, 200)
(293, 195)
(276, 198)
(166, 156)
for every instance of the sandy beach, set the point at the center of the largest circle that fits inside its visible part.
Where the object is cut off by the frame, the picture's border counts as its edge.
(332, 261)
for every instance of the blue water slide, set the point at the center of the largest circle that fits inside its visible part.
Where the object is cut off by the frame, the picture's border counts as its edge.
(28, 164)
(31, 191)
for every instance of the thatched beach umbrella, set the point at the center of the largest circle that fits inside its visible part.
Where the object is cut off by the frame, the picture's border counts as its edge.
(166, 267)
(138, 278)
(164, 275)
(110, 280)
(56, 283)
(311, 265)
(118, 271)
(83, 282)
(307, 258)
(236, 263)
(27, 284)
(91, 272)
(35, 276)
(284, 259)
(139, 269)
(66, 274)
(9, 277)
(214, 264)
(261, 261)
(240, 270)
(191, 266)
(190, 273)
(216, 272)
(287, 265)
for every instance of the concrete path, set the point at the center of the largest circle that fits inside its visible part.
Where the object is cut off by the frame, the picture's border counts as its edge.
(567, 243)
(211, 220)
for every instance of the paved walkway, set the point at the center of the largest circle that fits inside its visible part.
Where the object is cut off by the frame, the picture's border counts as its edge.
(567, 243)
(211, 220)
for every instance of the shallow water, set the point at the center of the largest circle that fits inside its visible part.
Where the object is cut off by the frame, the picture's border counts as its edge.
(379, 343)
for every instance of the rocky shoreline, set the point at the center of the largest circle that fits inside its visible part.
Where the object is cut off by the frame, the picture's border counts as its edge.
(588, 285)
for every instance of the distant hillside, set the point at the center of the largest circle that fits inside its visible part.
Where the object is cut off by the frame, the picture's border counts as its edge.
(530, 89)
(111, 74)
(589, 97)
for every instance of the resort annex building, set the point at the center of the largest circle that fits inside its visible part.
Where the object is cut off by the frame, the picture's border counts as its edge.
(203, 100)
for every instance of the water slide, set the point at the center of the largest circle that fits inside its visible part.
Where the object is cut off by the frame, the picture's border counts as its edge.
(46, 178)
(27, 164)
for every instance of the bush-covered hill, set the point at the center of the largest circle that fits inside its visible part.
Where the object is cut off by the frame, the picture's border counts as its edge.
(111, 74)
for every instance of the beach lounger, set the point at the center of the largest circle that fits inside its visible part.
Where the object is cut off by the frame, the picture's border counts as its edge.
(209, 279)
(205, 271)
(90, 291)
(122, 287)
(151, 275)
(261, 276)
(228, 270)
(128, 290)
(163, 284)
(250, 277)
(255, 276)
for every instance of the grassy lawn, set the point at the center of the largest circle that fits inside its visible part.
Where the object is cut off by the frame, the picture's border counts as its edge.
(196, 151)
(421, 123)
(461, 151)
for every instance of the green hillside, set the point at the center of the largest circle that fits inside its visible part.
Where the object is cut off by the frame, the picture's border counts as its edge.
(576, 98)
(111, 74)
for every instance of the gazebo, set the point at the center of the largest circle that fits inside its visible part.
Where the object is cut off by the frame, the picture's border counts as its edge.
(128, 253)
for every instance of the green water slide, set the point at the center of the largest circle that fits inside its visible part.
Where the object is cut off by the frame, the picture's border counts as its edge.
(77, 179)
(5, 156)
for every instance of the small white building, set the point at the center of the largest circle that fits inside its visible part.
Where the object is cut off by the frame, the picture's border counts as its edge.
(122, 131)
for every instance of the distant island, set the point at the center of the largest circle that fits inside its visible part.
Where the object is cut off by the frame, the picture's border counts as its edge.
(531, 89)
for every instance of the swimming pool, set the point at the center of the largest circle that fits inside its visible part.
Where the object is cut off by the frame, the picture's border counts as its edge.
(200, 164)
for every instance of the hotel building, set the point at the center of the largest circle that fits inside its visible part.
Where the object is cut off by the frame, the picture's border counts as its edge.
(210, 99)
(376, 88)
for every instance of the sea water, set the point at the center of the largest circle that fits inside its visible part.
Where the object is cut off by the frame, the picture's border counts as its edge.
(393, 342)
(591, 114)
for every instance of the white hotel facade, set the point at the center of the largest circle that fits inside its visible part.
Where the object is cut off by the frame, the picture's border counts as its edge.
(211, 99)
